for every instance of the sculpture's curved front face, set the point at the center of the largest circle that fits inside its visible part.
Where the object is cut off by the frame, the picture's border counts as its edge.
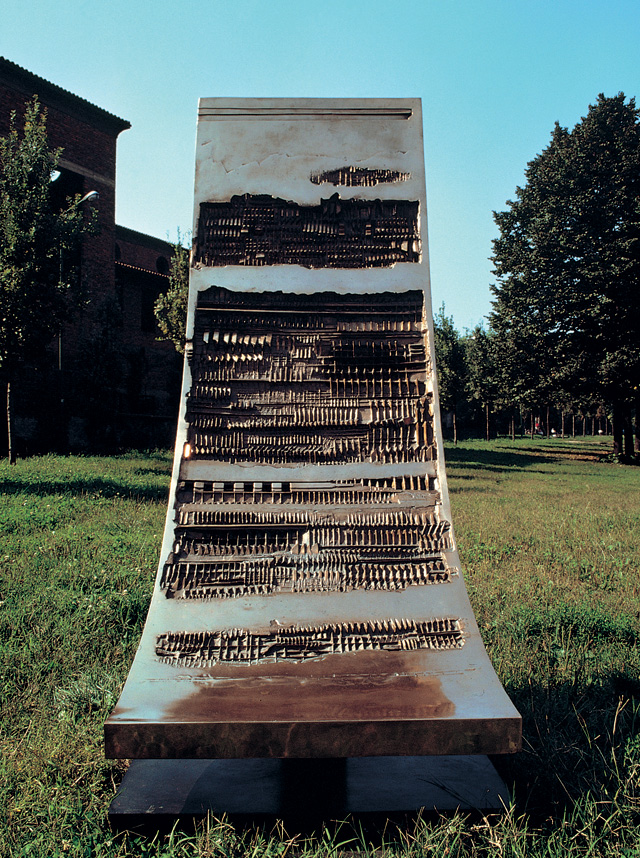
(309, 600)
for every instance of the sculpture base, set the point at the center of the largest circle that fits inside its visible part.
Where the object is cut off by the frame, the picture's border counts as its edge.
(302, 790)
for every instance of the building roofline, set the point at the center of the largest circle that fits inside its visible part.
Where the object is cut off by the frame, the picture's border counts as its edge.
(125, 233)
(52, 95)
(147, 271)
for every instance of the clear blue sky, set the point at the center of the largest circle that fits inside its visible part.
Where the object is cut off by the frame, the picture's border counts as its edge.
(493, 75)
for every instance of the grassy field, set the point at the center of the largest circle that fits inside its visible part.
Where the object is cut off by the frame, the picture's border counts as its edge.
(550, 542)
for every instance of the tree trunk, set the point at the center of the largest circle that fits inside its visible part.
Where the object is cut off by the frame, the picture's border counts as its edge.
(531, 423)
(573, 425)
(513, 426)
(637, 438)
(628, 433)
(455, 427)
(548, 427)
(617, 429)
(486, 411)
(11, 451)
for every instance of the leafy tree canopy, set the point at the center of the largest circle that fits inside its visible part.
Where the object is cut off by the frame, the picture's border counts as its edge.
(34, 238)
(483, 381)
(567, 298)
(450, 361)
(171, 307)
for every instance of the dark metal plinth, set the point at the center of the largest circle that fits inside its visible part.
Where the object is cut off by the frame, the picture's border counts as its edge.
(325, 788)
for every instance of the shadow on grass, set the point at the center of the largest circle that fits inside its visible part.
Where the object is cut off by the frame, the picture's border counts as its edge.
(159, 470)
(578, 742)
(90, 486)
(493, 460)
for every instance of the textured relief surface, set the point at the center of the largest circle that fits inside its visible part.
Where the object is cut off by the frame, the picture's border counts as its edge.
(354, 491)
(317, 379)
(264, 230)
(299, 643)
(359, 177)
(313, 379)
(219, 553)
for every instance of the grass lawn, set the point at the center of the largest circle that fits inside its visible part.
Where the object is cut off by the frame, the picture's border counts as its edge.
(549, 539)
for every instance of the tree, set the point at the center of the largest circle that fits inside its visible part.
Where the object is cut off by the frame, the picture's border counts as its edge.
(567, 298)
(483, 385)
(34, 238)
(451, 366)
(171, 307)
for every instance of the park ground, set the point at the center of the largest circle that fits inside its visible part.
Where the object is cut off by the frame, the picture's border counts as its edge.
(549, 538)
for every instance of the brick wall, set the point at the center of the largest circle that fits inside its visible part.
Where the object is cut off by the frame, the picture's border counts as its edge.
(87, 135)
(142, 265)
(84, 144)
(118, 385)
(142, 251)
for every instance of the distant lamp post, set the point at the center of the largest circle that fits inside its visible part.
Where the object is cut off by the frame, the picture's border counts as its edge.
(92, 195)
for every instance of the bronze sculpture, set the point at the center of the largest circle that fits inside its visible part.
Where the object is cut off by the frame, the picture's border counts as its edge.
(309, 601)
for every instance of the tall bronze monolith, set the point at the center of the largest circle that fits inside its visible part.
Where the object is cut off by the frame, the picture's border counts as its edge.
(309, 601)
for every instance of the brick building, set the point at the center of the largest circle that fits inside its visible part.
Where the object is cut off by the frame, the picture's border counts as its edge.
(109, 382)
(148, 409)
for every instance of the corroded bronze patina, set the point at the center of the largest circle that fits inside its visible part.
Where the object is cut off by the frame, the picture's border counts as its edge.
(336, 233)
(359, 177)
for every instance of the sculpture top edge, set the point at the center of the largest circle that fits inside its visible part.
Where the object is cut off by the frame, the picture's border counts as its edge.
(348, 108)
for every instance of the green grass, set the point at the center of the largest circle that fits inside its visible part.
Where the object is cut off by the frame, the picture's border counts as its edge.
(549, 539)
